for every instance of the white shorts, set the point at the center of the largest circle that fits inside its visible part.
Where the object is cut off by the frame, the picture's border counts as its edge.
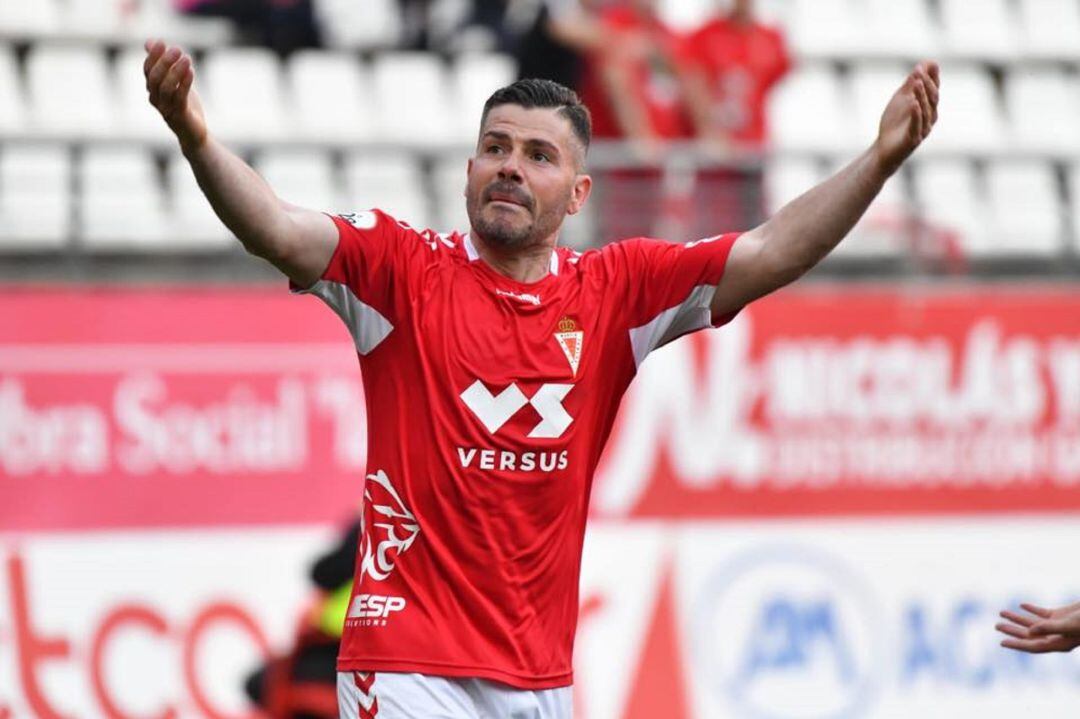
(390, 695)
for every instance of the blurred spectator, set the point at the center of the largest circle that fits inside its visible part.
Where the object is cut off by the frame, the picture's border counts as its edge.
(557, 36)
(732, 63)
(282, 25)
(631, 85)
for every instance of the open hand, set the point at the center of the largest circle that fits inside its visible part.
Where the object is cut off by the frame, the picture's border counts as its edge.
(1041, 630)
(909, 116)
(169, 77)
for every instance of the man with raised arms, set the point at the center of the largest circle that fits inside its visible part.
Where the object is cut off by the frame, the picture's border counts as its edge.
(493, 363)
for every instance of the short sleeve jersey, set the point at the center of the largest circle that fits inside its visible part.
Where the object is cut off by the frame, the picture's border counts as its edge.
(741, 64)
(488, 404)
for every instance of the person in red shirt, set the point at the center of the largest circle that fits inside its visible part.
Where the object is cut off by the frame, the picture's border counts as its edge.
(731, 63)
(493, 362)
(631, 84)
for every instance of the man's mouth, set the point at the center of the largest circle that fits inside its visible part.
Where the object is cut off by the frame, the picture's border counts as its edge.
(507, 198)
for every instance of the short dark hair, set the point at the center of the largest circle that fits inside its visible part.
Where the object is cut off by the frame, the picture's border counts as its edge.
(533, 92)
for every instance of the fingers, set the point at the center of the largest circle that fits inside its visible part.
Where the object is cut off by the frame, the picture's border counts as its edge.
(167, 70)
(171, 85)
(1017, 618)
(1037, 610)
(1013, 630)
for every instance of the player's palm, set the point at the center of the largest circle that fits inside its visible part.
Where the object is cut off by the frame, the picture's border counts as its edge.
(909, 116)
(170, 76)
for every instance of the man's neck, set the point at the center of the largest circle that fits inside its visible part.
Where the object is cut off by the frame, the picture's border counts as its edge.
(528, 264)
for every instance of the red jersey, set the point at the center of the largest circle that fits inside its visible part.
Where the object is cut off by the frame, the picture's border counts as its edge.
(488, 404)
(741, 64)
(655, 78)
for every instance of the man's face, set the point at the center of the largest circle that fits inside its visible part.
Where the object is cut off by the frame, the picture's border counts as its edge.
(525, 177)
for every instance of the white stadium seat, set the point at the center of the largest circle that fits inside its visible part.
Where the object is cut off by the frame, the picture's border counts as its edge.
(872, 86)
(810, 111)
(192, 222)
(392, 183)
(475, 77)
(103, 18)
(331, 96)
(352, 24)
(901, 28)
(29, 17)
(12, 101)
(136, 117)
(1044, 110)
(825, 28)
(413, 98)
(979, 29)
(1049, 29)
(301, 177)
(244, 95)
(787, 178)
(1025, 213)
(69, 91)
(969, 115)
(950, 200)
(35, 196)
(449, 180)
(121, 206)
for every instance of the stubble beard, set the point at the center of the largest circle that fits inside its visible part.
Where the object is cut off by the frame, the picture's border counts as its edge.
(504, 233)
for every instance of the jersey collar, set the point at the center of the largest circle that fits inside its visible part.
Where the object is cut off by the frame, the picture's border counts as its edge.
(473, 255)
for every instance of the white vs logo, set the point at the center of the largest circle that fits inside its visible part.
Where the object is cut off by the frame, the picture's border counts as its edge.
(496, 410)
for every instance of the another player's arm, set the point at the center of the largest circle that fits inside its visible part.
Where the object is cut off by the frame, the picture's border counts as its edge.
(297, 241)
(800, 235)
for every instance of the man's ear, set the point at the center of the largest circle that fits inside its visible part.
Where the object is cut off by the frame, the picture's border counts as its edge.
(582, 190)
(468, 172)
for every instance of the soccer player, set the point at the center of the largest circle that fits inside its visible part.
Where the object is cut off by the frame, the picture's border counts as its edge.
(493, 362)
(1041, 630)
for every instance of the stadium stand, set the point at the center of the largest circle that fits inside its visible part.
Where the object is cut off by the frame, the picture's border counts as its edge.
(86, 164)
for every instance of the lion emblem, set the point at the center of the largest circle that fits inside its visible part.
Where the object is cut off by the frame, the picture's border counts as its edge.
(389, 527)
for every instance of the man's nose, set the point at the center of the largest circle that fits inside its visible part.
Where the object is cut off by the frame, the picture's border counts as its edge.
(511, 167)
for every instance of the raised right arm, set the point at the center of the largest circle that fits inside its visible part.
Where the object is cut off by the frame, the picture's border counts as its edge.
(298, 241)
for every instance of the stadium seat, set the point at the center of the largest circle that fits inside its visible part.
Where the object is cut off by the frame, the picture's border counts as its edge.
(787, 178)
(12, 104)
(1025, 213)
(69, 91)
(192, 223)
(825, 28)
(301, 177)
(331, 96)
(413, 98)
(29, 17)
(475, 77)
(244, 95)
(449, 184)
(1044, 110)
(94, 17)
(35, 197)
(121, 205)
(1049, 29)
(136, 117)
(950, 201)
(970, 117)
(979, 29)
(350, 24)
(390, 182)
(810, 111)
(872, 86)
(898, 29)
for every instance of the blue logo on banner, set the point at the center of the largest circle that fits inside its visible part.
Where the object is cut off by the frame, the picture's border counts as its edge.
(788, 633)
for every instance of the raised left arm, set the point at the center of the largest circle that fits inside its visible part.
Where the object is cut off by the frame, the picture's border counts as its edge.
(796, 238)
